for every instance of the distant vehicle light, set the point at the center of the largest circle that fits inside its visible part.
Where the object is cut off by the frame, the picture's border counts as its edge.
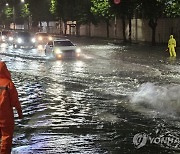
(33, 40)
(19, 40)
(3, 37)
(78, 55)
(10, 38)
(78, 50)
(50, 38)
(40, 38)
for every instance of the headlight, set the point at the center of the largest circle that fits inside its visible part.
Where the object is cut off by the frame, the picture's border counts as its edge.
(10, 38)
(40, 38)
(50, 38)
(57, 51)
(3, 37)
(78, 50)
(33, 40)
(19, 40)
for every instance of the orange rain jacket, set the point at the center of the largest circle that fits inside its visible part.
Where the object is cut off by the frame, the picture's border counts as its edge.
(8, 98)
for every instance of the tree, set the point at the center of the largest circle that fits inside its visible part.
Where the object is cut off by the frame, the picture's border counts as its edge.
(14, 11)
(25, 13)
(101, 9)
(124, 10)
(5, 14)
(72, 10)
(84, 15)
(65, 9)
(58, 10)
(152, 10)
(172, 8)
(40, 11)
(7, 18)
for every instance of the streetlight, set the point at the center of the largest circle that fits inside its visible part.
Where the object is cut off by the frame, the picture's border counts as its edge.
(3, 6)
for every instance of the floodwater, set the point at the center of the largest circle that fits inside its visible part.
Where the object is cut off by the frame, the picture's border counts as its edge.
(115, 99)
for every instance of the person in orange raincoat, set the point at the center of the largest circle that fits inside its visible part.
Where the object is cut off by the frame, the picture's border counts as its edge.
(8, 100)
(171, 46)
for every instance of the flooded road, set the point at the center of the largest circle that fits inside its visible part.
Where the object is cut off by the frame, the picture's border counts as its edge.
(114, 99)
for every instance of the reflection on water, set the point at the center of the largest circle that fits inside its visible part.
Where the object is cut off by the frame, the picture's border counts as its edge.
(55, 119)
(172, 60)
(82, 106)
(62, 144)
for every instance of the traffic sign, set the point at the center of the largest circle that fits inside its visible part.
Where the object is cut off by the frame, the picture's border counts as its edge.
(117, 1)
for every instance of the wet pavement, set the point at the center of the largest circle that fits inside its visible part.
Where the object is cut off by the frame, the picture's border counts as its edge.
(115, 99)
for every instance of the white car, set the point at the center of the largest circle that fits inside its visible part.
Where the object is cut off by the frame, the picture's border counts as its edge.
(62, 48)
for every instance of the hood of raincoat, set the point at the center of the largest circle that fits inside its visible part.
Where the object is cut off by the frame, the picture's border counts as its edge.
(4, 73)
(171, 36)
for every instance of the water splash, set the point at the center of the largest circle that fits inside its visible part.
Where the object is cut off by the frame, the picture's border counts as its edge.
(164, 99)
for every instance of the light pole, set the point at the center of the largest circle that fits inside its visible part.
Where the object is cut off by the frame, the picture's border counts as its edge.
(14, 13)
(14, 17)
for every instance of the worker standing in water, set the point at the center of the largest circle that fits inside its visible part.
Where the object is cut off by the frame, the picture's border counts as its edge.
(171, 46)
(8, 100)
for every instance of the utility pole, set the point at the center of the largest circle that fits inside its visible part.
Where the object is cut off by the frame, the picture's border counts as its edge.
(115, 19)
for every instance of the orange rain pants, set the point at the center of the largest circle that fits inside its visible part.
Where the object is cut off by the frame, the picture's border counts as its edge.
(6, 135)
(8, 100)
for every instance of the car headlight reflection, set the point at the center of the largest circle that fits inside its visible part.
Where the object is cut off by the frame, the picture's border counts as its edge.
(78, 50)
(40, 47)
(19, 40)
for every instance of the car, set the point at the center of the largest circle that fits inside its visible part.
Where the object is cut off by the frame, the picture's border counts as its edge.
(62, 48)
(5, 35)
(41, 39)
(23, 39)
